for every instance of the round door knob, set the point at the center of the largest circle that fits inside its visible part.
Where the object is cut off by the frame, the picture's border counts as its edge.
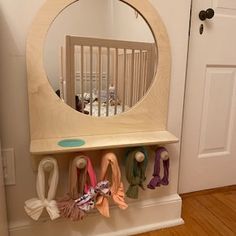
(208, 14)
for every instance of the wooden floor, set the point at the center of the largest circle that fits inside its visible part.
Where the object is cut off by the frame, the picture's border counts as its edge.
(210, 213)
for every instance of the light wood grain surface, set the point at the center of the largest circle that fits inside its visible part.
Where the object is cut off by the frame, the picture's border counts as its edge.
(47, 146)
(50, 118)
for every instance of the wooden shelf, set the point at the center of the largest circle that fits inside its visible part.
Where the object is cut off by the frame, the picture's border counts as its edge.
(98, 142)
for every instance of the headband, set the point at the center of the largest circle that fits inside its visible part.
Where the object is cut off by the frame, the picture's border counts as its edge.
(135, 172)
(156, 181)
(34, 207)
(79, 184)
(87, 201)
(117, 188)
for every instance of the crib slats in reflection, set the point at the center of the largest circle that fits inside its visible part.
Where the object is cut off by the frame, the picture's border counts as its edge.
(110, 75)
(140, 73)
(91, 80)
(124, 87)
(136, 81)
(62, 84)
(132, 79)
(82, 77)
(142, 87)
(145, 73)
(100, 79)
(116, 81)
(70, 72)
(108, 81)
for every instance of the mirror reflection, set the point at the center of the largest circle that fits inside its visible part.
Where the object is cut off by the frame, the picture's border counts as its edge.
(100, 57)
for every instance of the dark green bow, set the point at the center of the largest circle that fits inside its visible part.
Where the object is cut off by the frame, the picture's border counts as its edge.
(135, 173)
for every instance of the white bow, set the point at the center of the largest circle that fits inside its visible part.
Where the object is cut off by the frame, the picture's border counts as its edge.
(34, 207)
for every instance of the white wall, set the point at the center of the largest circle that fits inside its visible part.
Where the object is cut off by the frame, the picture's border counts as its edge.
(86, 18)
(126, 26)
(14, 121)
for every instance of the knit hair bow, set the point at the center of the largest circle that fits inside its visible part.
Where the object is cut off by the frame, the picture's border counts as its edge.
(35, 206)
(79, 184)
(135, 172)
(117, 188)
(157, 181)
(87, 201)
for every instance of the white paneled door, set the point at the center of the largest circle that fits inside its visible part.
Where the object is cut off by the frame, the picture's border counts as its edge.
(208, 158)
(3, 218)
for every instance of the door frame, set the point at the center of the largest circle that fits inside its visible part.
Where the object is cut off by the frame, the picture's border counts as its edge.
(185, 88)
(185, 94)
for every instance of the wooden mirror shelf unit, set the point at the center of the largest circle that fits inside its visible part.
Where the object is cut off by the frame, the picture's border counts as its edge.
(51, 120)
(58, 130)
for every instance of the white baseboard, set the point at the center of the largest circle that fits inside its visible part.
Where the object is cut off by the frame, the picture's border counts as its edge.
(145, 228)
(140, 217)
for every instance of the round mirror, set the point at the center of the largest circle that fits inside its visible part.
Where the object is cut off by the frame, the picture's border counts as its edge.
(100, 57)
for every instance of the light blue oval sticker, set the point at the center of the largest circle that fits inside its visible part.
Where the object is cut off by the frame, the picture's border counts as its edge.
(71, 143)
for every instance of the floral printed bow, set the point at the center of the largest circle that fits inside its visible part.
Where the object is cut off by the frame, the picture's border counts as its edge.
(87, 201)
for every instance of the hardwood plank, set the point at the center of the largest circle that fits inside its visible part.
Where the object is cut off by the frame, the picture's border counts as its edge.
(190, 228)
(208, 212)
(221, 211)
(192, 223)
(209, 191)
(208, 221)
(228, 198)
(161, 233)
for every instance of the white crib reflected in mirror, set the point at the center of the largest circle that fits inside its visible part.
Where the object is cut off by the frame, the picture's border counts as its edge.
(100, 57)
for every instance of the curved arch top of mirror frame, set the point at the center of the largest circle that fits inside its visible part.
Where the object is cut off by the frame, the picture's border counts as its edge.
(51, 118)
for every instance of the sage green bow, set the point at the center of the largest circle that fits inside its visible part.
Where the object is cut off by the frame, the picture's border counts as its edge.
(135, 173)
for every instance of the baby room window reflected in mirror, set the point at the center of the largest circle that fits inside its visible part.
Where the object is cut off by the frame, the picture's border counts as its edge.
(100, 57)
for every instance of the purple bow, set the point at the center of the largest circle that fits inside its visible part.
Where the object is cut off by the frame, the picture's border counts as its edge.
(157, 181)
